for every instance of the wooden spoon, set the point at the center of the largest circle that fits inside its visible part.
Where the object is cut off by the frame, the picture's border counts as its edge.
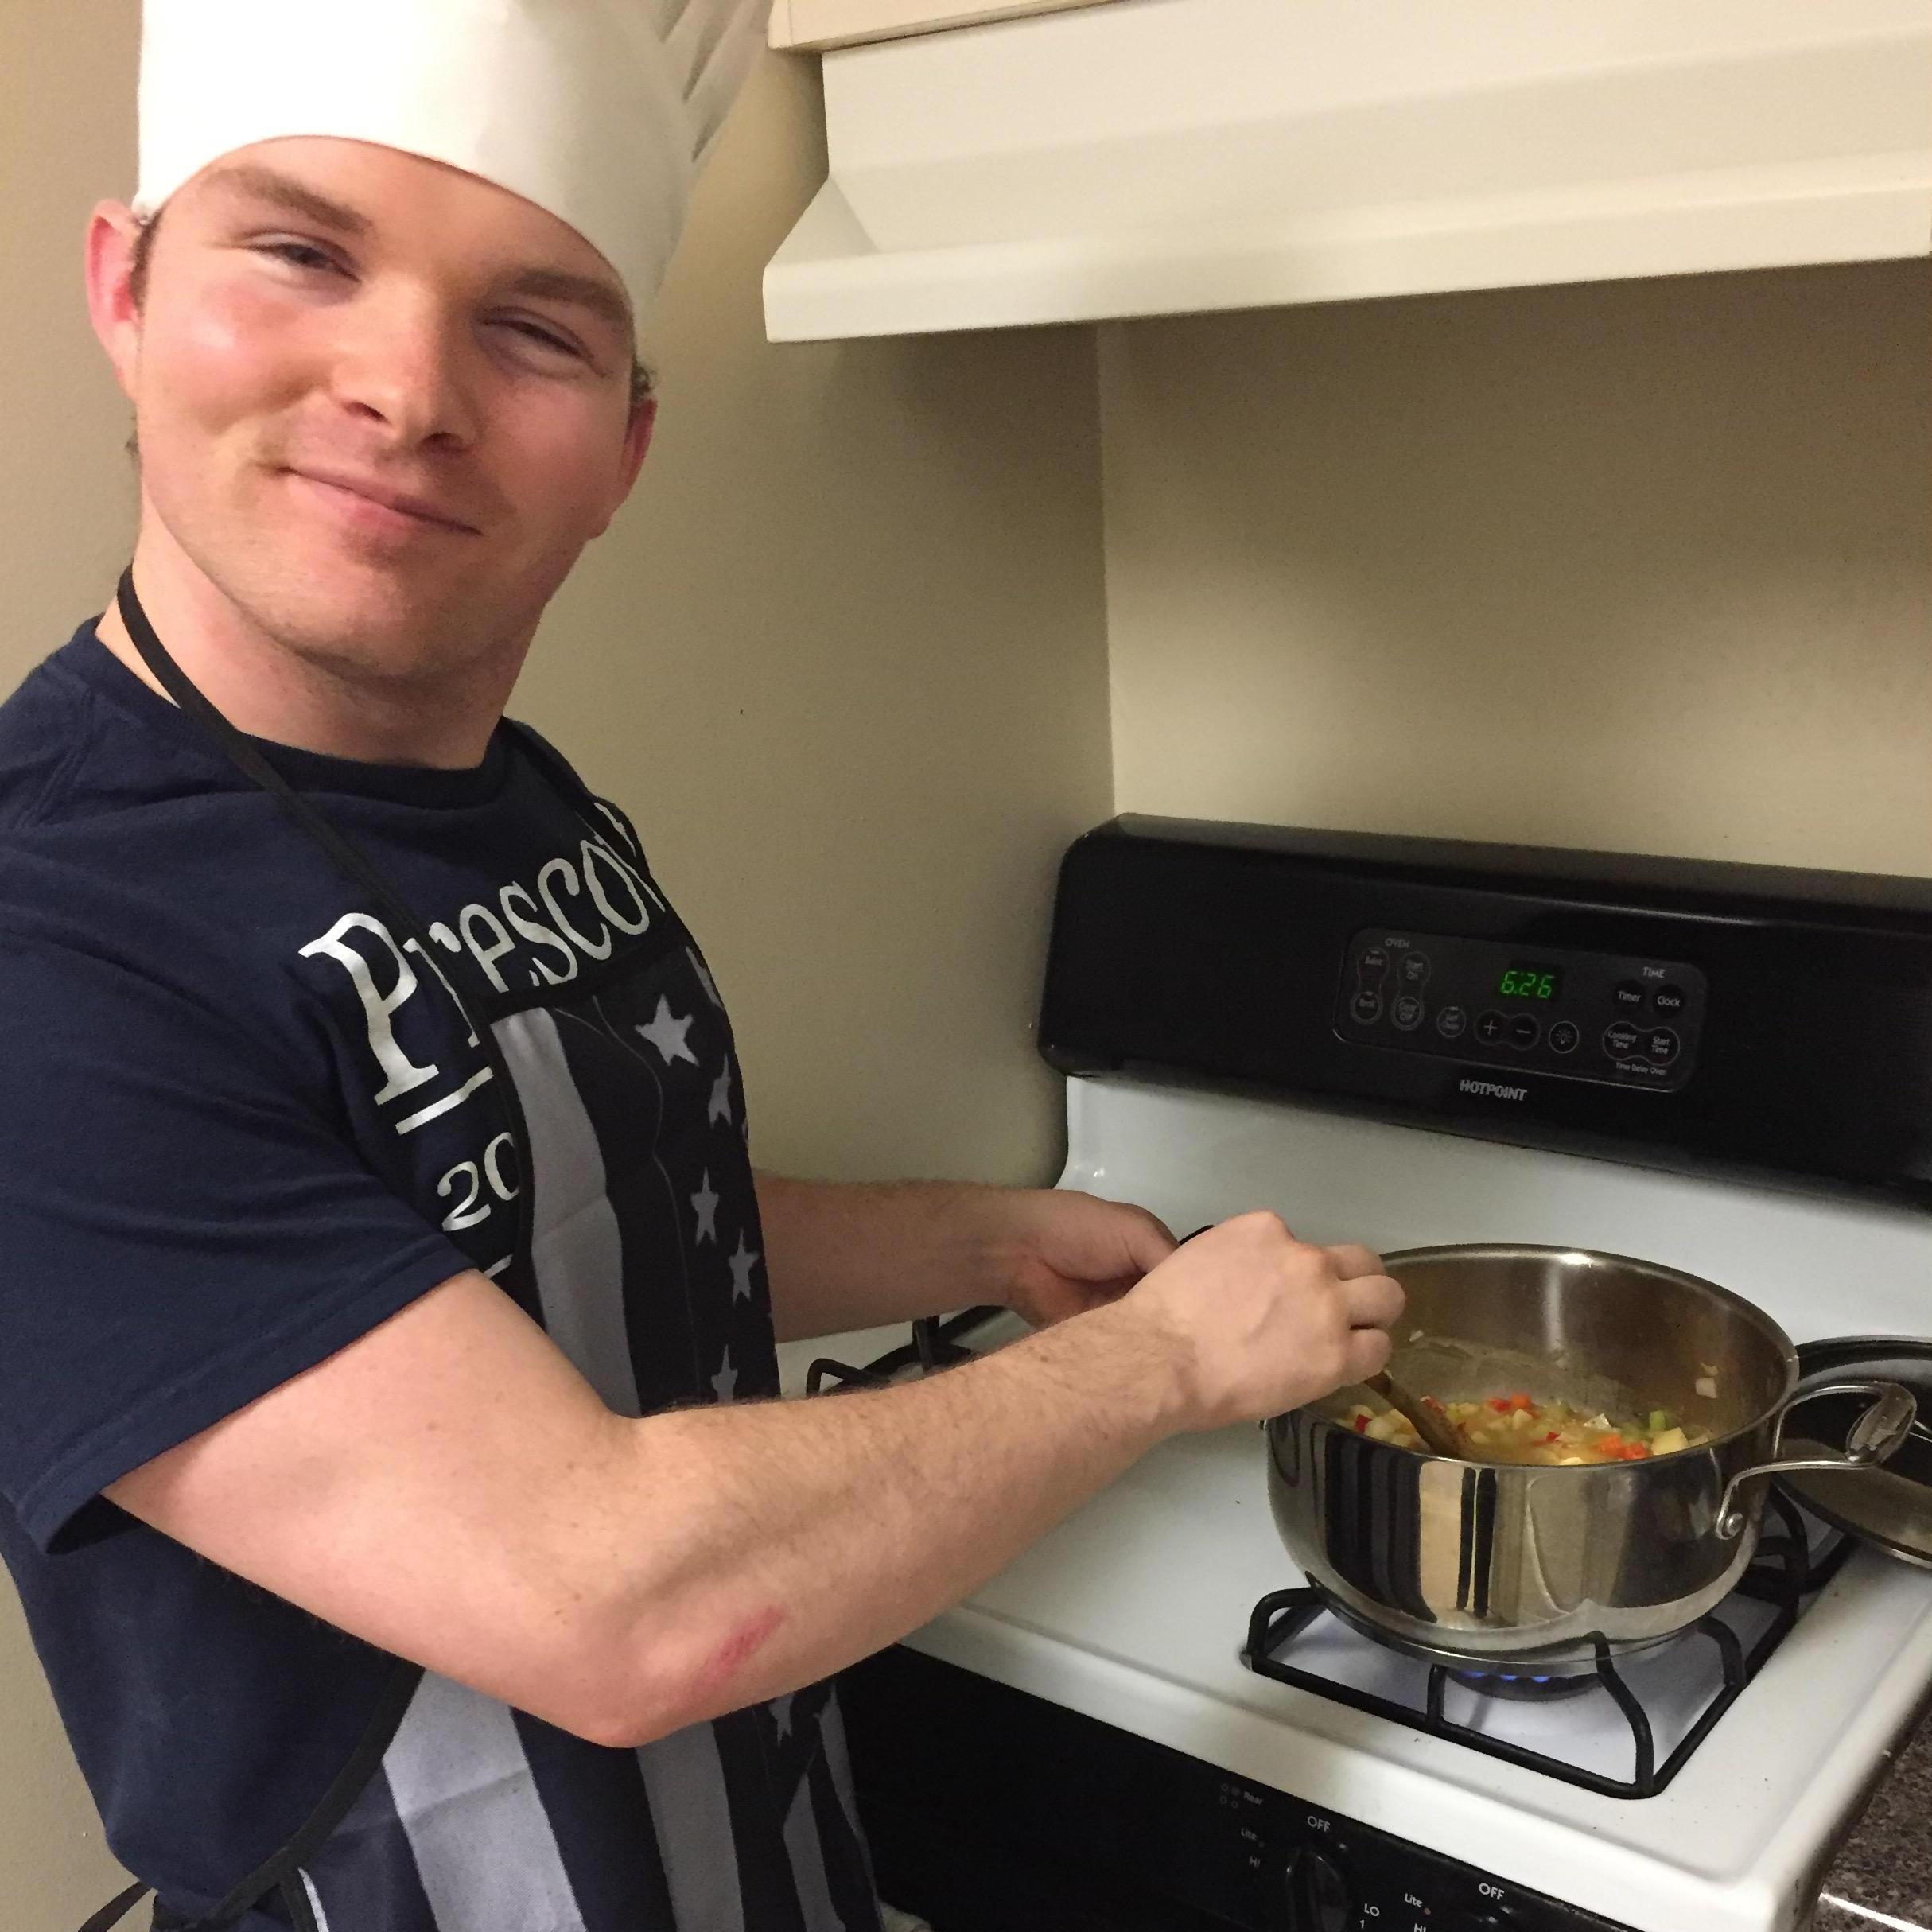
(1439, 1434)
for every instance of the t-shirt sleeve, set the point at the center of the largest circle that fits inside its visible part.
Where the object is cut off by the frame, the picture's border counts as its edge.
(183, 1227)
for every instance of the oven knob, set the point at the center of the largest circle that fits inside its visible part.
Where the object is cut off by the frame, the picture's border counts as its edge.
(1318, 1895)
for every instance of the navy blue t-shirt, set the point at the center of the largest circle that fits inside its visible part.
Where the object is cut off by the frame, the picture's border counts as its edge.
(241, 1122)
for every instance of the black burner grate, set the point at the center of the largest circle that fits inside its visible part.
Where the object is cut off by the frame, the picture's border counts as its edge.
(935, 1344)
(1785, 1574)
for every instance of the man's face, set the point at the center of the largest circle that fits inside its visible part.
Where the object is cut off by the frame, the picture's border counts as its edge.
(381, 405)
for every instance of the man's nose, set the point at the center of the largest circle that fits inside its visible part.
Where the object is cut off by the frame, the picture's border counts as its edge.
(403, 360)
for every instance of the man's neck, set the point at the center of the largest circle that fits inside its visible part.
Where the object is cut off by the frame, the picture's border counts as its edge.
(269, 691)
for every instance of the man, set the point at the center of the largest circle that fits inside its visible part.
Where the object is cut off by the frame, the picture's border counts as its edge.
(387, 1285)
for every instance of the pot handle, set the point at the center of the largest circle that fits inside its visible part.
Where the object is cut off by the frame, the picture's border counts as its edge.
(1877, 1435)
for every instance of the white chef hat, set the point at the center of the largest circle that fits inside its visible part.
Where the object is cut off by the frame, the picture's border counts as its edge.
(597, 110)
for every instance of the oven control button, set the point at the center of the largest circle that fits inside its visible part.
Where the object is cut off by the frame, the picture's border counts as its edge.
(1407, 1013)
(1662, 1045)
(1373, 966)
(1490, 1028)
(1620, 1041)
(1453, 1022)
(1365, 1008)
(1565, 1036)
(1669, 1000)
(1416, 968)
(1525, 1030)
(1318, 1895)
(1631, 996)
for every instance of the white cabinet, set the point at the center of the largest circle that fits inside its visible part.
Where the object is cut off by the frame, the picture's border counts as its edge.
(1156, 156)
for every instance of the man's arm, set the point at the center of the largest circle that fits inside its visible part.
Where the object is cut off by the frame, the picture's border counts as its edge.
(851, 1255)
(450, 1489)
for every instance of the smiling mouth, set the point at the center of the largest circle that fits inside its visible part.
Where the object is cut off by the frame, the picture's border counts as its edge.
(398, 510)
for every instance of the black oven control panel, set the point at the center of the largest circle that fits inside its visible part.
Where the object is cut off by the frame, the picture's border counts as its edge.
(1624, 1021)
(1685, 1013)
(1342, 1877)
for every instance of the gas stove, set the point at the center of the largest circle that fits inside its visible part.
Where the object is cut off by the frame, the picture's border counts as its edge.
(1150, 1719)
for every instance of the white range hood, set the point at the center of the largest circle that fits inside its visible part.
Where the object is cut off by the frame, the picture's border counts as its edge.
(1160, 156)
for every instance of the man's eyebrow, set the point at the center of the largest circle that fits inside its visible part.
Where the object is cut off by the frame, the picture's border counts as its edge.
(250, 177)
(557, 285)
(542, 284)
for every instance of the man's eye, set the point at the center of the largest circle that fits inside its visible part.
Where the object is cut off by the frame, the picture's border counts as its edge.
(544, 337)
(298, 255)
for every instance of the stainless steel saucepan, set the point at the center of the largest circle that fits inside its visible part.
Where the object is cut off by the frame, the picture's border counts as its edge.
(1500, 1563)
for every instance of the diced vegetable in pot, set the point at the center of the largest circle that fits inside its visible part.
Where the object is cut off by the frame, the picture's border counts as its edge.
(1514, 1427)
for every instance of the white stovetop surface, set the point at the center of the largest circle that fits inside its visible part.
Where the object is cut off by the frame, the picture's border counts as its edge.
(1134, 1611)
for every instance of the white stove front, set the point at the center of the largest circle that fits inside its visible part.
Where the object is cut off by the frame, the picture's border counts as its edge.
(1134, 1611)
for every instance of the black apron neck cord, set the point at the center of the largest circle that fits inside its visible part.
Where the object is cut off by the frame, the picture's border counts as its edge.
(282, 1868)
(247, 758)
(116, 1909)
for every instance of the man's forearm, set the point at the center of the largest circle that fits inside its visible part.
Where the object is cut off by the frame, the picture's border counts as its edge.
(843, 1255)
(621, 1576)
(787, 1540)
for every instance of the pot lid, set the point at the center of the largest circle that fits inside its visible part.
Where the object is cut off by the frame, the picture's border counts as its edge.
(1889, 1507)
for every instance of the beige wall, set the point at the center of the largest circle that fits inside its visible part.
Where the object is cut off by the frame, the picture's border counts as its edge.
(1644, 565)
(842, 658)
(64, 502)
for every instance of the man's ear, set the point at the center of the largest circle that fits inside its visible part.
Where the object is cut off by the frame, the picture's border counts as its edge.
(636, 447)
(637, 438)
(112, 233)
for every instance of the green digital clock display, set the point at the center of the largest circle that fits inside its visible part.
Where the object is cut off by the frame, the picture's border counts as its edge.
(1530, 982)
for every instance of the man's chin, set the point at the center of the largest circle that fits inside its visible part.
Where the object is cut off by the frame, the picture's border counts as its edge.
(381, 632)
(409, 616)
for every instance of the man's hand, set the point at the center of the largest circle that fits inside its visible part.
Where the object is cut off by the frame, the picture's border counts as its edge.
(1054, 1253)
(853, 1255)
(1257, 1321)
